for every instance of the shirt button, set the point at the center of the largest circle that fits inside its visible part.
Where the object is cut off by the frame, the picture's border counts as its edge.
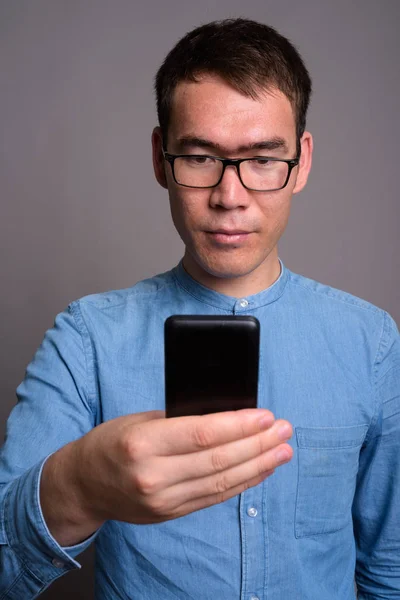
(243, 303)
(254, 598)
(59, 564)
(252, 512)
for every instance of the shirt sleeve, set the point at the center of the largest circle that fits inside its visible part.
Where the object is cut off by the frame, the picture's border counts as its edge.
(376, 508)
(56, 404)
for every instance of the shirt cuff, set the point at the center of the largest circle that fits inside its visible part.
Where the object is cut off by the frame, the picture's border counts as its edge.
(27, 533)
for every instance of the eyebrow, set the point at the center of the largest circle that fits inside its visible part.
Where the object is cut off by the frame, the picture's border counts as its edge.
(275, 143)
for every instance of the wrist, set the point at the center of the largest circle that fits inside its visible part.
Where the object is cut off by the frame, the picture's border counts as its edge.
(62, 499)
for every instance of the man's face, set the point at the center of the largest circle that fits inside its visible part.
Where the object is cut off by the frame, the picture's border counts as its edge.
(210, 117)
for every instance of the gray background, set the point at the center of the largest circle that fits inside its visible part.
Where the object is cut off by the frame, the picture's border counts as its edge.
(80, 210)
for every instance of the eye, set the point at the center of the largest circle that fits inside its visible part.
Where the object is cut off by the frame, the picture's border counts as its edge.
(262, 162)
(199, 160)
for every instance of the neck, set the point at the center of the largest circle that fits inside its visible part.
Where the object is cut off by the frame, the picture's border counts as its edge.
(238, 287)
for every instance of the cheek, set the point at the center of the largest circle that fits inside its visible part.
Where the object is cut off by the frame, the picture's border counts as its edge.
(276, 214)
(283, 211)
(186, 208)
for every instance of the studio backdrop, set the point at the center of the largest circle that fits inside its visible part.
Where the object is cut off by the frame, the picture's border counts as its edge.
(80, 209)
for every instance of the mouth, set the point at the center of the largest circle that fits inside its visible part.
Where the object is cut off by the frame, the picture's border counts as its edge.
(230, 231)
(228, 236)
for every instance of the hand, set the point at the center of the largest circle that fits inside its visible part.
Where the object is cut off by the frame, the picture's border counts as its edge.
(144, 468)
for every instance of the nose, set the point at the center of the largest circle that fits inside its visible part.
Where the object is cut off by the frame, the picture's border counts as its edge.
(229, 193)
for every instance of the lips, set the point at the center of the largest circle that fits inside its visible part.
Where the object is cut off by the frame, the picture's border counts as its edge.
(229, 231)
(228, 236)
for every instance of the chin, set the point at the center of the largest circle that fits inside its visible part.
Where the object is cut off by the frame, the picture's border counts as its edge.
(204, 260)
(225, 269)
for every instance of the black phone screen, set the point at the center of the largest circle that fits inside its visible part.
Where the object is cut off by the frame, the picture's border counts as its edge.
(211, 363)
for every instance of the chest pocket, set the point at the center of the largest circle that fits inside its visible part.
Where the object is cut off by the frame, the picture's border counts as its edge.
(328, 464)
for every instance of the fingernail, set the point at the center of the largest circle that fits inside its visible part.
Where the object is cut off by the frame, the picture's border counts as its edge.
(284, 431)
(282, 455)
(266, 421)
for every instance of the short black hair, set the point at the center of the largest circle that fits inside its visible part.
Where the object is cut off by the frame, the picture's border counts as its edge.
(250, 56)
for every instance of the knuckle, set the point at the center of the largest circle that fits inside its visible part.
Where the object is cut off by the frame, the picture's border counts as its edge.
(262, 446)
(246, 485)
(243, 429)
(221, 485)
(219, 460)
(146, 483)
(263, 466)
(221, 497)
(157, 506)
(132, 447)
(202, 436)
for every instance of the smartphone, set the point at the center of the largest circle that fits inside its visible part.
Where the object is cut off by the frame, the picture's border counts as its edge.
(211, 363)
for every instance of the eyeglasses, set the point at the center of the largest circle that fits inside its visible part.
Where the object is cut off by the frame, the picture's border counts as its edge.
(259, 174)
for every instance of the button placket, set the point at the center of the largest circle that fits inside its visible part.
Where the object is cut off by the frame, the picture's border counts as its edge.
(253, 543)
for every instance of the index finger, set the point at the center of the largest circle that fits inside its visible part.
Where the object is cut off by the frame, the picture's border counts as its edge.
(182, 435)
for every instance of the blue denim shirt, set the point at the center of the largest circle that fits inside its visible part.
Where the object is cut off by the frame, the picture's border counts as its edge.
(329, 363)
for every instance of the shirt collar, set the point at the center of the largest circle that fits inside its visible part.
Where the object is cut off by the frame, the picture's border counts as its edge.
(230, 303)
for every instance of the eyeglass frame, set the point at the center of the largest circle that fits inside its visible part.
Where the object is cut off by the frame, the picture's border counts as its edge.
(226, 162)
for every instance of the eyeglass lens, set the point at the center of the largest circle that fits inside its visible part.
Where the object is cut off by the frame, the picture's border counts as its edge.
(204, 171)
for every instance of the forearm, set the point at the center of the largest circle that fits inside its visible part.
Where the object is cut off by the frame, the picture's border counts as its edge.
(66, 512)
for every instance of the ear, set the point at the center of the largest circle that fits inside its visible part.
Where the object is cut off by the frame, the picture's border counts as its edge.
(307, 146)
(158, 157)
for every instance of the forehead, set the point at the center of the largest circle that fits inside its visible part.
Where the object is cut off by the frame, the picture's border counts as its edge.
(211, 108)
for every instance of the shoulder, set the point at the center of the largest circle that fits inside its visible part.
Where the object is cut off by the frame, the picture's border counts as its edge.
(325, 294)
(145, 290)
(340, 312)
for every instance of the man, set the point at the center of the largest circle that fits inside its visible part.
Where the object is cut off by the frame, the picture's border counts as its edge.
(196, 507)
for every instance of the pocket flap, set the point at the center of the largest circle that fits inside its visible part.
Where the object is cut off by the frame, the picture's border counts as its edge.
(331, 437)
